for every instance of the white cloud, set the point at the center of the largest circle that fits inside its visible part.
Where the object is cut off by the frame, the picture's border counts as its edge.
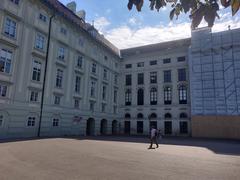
(101, 23)
(125, 37)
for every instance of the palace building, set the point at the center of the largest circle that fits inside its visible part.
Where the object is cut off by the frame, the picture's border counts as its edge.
(59, 76)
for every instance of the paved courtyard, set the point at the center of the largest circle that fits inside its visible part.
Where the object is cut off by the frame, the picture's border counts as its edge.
(119, 158)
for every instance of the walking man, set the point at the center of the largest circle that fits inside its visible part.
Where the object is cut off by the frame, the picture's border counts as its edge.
(153, 137)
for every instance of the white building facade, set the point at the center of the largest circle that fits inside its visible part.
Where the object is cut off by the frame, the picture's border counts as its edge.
(59, 76)
(81, 85)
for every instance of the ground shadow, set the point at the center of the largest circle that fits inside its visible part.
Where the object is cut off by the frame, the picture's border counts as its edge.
(218, 146)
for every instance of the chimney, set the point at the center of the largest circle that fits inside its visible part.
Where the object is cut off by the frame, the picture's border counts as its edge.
(72, 6)
(81, 14)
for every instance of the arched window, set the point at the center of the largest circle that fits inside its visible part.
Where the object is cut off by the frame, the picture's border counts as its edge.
(128, 97)
(167, 95)
(168, 116)
(140, 98)
(183, 116)
(153, 96)
(153, 116)
(140, 116)
(182, 90)
(127, 116)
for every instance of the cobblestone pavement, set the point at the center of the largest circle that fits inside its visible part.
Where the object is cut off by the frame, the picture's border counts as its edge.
(110, 158)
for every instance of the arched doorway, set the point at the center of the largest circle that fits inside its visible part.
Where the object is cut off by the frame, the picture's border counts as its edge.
(114, 127)
(103, 127)
(90, 130)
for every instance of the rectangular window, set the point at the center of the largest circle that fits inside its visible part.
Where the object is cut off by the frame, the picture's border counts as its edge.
(63, 31)
(167, 76)
(10, 27)
(182, 95)
(182, 75)
(167, 95)
(57, 100)
(76, 103)
(34, 96)
(153, 77)
(104, 92)
(128, 97)
(105, 74)
(152, 63)
(79, 62)
(31, 121)
(1, 120)
(128, 80)
(115, 96)
(181, 59)
(128, 66)
(39, 43)
(94, 68)
(61, 53)
(140, 64)
(36, 74)
(166, 61)
(15, 1)
(77, 84)
(140, 78)
(59, 78)
(55, 122)
(139, 127)
(183, 127)
(42, 17)
(93, 86)
(5, 61)
(3, 90)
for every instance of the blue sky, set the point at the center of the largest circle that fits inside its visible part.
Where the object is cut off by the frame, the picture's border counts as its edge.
(126, 28)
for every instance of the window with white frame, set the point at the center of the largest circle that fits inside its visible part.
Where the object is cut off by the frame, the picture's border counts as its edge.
(76, 103)
(153, 96)
(1, 120)
(94, 68)
(36, 72)
(3, 90)
(10, 28)
(34, 96)
(31, 121)
(59, 78)
(182, 94)
(55, 122)
(128, 97)
(104, 92)
(5, 61)
(79, 62)
(15, 1)
(57, 100)
(167, 95)
(77, 84)
(153, 77)
(61, 53)
(93, 86)
(40, 41)
(42, 17)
